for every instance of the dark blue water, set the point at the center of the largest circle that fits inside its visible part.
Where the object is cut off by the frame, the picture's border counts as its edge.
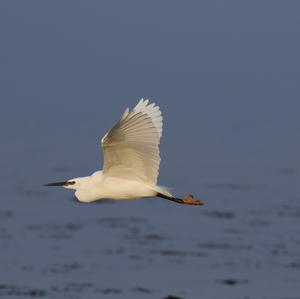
(226, 76)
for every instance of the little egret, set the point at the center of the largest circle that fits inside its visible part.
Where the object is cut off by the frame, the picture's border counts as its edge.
(131, 161)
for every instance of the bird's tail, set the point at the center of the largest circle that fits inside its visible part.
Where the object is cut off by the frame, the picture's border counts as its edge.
(163, 190)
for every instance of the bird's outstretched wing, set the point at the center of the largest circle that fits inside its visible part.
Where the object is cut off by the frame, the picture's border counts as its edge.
(131, 147)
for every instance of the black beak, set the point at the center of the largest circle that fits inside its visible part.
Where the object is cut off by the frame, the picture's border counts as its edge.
(58, 184)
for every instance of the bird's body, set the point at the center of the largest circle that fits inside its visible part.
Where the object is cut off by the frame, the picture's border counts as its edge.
(131, 160)
(98, 186)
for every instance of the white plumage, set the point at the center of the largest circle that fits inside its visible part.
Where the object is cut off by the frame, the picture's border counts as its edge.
(131, 160)
(131, 146)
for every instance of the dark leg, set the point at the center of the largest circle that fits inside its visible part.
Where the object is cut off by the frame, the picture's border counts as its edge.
(187, 199)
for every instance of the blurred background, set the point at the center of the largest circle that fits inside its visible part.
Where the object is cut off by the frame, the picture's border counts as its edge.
(226, 76)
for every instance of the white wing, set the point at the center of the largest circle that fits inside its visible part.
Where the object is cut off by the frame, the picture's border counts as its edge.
(131, 147)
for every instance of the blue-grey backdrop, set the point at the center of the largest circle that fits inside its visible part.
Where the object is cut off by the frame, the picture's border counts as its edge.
(226, 76)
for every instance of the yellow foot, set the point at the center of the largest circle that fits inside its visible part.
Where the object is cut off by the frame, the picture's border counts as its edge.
(189, 200)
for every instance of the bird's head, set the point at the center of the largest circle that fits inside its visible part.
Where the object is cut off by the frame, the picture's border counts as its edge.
(69, 184)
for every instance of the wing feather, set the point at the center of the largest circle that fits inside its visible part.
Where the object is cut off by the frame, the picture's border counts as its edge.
(131, 147)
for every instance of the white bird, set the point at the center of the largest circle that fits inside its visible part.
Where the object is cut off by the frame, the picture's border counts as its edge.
(131, 161)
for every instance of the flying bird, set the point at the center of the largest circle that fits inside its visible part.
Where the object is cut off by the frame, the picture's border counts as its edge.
(131, 161)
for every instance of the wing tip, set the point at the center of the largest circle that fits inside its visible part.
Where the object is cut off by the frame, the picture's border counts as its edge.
(146, 103)
(152, 110)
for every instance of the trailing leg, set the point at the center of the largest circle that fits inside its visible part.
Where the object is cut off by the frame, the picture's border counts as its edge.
(188, 199)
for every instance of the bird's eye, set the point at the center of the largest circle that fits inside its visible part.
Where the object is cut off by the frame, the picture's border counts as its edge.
(72, 182)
